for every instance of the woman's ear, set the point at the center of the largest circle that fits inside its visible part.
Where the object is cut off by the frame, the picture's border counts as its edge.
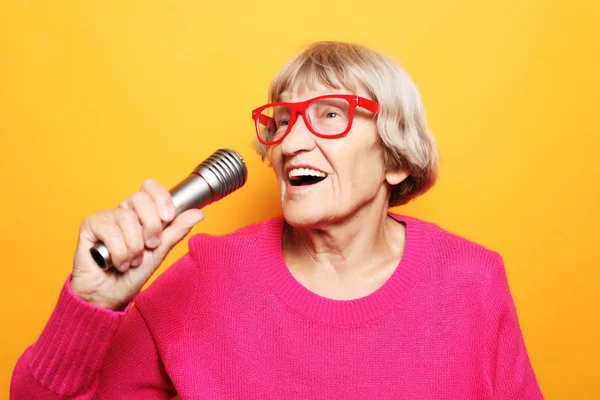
(394, 177)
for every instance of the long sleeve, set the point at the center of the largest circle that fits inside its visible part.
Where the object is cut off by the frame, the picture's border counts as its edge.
(510, 371)
(86, 352)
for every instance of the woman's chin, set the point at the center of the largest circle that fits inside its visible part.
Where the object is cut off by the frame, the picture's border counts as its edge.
(301, 217)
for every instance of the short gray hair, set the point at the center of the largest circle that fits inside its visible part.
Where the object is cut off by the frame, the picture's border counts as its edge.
(401, 123)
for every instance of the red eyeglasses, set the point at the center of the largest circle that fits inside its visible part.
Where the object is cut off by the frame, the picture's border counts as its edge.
(328, 116)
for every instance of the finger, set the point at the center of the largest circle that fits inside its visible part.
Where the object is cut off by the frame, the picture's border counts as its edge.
(137, 261)
(107, 230)
(177, 230)
(147, 214)
(161, 197)
(133, 234)
(125, 204)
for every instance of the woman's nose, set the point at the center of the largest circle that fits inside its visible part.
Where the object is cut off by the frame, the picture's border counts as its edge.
(299, 138)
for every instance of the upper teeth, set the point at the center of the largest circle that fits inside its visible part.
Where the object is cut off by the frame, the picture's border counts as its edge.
(306, 172)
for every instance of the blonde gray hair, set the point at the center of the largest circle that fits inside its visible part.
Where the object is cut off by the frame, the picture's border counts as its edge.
(408, 144)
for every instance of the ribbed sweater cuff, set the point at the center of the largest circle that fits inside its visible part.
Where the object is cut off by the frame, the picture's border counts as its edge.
(70, 350)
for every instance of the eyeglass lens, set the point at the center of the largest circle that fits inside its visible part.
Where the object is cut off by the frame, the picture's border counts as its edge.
(329, 116)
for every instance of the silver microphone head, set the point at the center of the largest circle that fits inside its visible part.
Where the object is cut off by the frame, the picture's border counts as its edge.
(219, 175)
(225, 171)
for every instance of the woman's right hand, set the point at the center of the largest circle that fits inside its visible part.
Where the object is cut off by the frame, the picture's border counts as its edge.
(136, 241)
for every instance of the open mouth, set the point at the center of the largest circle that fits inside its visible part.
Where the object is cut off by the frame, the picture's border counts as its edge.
(305, 176)
(305, 180)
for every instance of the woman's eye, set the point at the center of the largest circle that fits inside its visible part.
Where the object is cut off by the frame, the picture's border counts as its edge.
(283, 122)
(331, 115)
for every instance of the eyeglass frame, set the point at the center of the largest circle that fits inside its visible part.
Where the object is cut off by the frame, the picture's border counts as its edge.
(301, 107)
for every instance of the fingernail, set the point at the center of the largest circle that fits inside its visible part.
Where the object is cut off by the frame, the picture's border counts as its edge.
(125, 265)
(165, 213)
(138, 261)
(153, 242)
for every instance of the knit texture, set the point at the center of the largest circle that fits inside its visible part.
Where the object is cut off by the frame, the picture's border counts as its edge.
(229, 321)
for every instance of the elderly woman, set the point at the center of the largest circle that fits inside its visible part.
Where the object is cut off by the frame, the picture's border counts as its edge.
(336, 299)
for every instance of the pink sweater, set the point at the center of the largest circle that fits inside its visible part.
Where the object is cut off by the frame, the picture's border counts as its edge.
(229, 321)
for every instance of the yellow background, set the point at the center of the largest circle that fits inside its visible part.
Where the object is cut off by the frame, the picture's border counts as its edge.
(95, 97)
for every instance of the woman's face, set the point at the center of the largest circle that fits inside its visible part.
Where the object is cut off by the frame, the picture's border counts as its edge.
(352, 166)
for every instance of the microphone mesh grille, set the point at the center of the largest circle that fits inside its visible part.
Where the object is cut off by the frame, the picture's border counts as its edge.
(230, 170)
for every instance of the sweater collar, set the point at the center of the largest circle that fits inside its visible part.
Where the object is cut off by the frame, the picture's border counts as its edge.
(295, 296)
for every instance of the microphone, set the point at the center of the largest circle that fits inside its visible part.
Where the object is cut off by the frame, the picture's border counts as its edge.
(219, 175)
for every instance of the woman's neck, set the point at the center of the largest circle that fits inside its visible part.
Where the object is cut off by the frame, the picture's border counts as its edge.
(352, 248)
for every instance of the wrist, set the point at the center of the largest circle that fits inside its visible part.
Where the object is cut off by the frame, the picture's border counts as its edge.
(95, 300)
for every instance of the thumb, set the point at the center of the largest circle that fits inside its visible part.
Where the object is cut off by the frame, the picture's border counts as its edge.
(179, 228)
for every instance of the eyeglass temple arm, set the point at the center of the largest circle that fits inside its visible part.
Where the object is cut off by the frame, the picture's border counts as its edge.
(368, 104)
(266, 121)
